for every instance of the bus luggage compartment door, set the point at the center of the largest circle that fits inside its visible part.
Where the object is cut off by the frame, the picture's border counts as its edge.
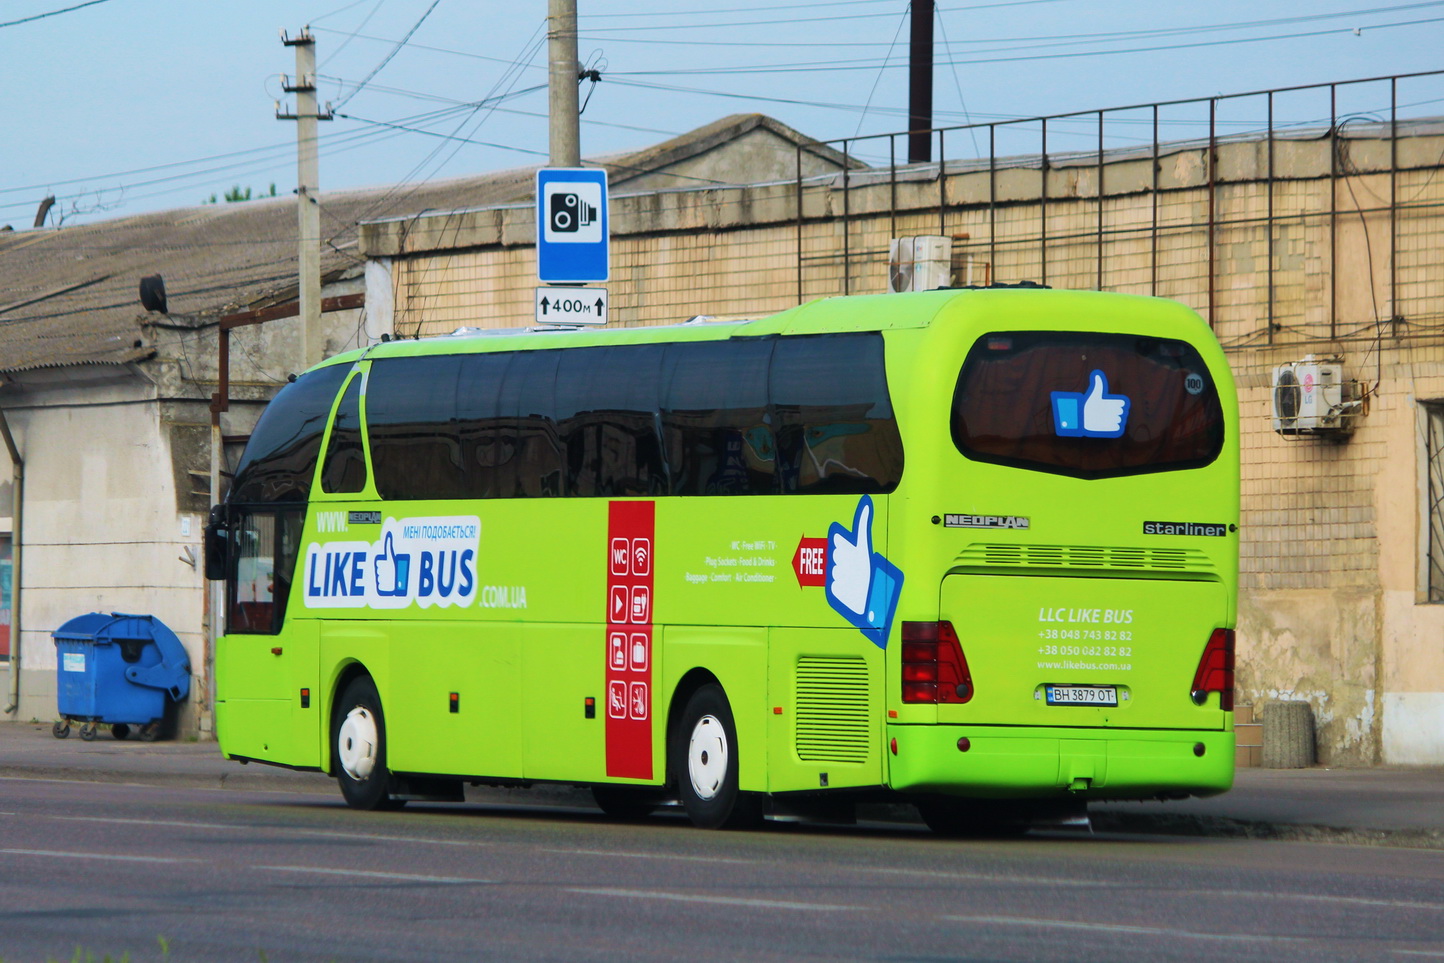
(1083, 652)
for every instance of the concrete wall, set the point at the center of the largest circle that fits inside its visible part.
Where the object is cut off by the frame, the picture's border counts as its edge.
(101, 531)
(1335, 246)
(117, 485)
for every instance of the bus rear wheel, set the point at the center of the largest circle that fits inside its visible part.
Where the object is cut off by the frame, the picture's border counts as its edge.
(704, 763)
(359, 740)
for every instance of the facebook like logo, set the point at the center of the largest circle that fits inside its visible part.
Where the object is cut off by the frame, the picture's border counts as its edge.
(1092, 414)
(862, 586)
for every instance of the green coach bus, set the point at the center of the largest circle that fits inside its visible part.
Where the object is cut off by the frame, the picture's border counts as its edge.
(974, 549)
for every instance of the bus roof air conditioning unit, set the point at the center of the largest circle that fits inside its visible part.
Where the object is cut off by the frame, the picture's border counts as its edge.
(1311, 397)
(922, 263)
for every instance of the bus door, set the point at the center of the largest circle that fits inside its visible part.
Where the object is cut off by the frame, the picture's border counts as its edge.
(257, 669)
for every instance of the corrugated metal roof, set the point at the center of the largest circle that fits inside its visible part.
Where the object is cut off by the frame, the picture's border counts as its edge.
(70, 295)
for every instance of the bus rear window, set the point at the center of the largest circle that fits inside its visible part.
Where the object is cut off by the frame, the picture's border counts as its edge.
(1085, 404)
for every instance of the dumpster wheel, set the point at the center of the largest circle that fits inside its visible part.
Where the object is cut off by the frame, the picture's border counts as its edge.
(87, 732)
(61, 729)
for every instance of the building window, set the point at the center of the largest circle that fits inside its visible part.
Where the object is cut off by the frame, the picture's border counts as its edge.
(1434, 500)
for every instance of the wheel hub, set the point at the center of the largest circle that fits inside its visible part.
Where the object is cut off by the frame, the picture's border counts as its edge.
(356, 743)
(707, 757)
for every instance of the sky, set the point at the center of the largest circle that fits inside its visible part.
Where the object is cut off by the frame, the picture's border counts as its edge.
(120, 107)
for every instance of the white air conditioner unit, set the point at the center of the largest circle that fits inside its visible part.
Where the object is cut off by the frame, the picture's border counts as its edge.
(919, 263)
(1311, 397)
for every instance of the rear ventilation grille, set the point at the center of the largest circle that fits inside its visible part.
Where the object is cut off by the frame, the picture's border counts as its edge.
(833, 721)
(1087, 557)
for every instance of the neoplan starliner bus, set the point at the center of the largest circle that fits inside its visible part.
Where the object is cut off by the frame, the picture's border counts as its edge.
(972, 548)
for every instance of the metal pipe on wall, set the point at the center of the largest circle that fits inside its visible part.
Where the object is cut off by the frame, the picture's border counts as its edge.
(17, 513)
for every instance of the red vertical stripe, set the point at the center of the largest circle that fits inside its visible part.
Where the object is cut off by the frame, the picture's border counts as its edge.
(631, 530)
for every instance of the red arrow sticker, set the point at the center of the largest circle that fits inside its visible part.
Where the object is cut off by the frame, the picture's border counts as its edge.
(810, 561)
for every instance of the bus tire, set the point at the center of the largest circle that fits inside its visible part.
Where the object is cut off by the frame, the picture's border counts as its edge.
(358, 737)
(704, 763)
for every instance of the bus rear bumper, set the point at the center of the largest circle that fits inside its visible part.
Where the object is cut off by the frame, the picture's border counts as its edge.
(1004, 762)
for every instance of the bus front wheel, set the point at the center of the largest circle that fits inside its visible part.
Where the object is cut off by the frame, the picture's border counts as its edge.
(359, 738)
(704, 761)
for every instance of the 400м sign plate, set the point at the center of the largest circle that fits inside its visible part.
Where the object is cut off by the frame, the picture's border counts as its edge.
(558, 305)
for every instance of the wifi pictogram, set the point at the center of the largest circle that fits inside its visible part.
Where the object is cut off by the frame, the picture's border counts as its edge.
(641, 556)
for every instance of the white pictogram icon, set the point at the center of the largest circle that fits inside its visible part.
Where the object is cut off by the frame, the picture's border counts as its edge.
(617, 700)
(620, 556)
(639, 652)
(641, 604)
(641, 556)
(639, 700)
(617, 650)
(618, 610)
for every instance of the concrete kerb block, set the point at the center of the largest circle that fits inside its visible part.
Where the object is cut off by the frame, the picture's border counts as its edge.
(1288, 735)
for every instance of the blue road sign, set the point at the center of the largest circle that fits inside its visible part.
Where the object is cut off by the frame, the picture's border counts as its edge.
(571, 225)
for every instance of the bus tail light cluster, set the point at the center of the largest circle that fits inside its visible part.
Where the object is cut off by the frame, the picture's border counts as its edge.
(1215, 670)
(934, 669)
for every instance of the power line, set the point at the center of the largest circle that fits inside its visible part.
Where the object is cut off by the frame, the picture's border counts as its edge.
(394, 51)
(352, 36)
(841, 65)
(878, 79)
(1035, 40)
(710, 11)
(53, 13)
(421, 46)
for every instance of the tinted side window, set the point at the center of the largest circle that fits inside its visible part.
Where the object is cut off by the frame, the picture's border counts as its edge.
(410, 409)
(836, 433)
(606, 411)
(344, 469)
(715, 421)
(1004, 408)
(528, 400)
(280, 459)
(486, 432)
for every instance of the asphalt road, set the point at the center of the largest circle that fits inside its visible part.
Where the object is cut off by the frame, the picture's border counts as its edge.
(112, 869)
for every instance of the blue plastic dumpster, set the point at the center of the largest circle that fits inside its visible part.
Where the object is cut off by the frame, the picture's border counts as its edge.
(118, 670)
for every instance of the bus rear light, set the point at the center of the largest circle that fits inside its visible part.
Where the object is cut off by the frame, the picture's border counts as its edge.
(926, 692)
(1215, 670)
(920, 672)
(920, 651)
(934, 669)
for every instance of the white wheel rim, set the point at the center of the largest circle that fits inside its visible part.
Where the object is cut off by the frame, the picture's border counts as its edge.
(356, 743)
(707, 757)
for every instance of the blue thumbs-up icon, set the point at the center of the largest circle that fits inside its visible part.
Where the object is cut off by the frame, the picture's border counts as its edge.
(862, 586)
(1094, 414)
(393, 570)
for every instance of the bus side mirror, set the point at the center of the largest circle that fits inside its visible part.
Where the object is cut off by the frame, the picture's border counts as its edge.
(218, 545)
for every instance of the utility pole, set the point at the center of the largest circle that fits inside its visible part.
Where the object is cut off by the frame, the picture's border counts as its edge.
(920, 84)
(308, 209)
(563, 74)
